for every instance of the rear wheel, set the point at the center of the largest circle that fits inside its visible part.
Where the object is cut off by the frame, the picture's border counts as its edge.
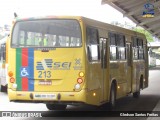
(136, 94)
(56, 107)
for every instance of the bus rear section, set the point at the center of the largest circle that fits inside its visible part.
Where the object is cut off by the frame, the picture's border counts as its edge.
(46, 62)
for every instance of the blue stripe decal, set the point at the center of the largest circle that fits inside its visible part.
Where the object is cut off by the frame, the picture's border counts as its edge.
(31, 66)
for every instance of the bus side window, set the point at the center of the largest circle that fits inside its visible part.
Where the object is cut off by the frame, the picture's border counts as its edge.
(141, 49)
(93, 44)
(121, 53)
(113, 47)
(135, 48)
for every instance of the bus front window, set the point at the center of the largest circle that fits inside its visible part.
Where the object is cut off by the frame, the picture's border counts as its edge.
(47, 33)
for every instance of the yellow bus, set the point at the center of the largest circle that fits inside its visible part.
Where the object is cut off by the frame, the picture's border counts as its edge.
(73, 60)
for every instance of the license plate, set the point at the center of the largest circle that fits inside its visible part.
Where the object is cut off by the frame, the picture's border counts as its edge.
(45, 96)
(45, 82)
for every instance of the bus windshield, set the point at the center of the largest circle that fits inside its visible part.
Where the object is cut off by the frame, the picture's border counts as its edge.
(47, 33)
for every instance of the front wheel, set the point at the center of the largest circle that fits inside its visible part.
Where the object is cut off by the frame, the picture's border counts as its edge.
(56, 107)
(112, 100)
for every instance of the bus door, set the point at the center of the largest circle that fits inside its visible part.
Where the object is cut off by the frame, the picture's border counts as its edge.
(95, 74)
(129, 67)
(104, 83)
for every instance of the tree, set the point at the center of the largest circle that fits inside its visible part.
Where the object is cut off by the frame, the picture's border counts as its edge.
(149, 37)
(117, 23)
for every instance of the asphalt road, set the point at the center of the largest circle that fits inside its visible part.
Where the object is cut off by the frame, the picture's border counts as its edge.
(147, 102)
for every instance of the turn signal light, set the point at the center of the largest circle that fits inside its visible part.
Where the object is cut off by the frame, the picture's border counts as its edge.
(79, 80)
(10, 73)
(12, 80)
(81, 74)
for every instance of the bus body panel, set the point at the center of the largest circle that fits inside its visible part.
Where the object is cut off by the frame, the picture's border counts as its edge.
(118, 72)
(60, 69)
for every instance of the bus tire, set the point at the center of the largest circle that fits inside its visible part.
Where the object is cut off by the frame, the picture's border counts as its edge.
(136, 94)
(56, 107)
(112, 100)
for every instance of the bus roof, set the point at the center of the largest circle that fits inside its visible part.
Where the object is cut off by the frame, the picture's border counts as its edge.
(47, 17)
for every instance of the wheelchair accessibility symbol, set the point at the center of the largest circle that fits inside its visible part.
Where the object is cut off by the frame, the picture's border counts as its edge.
(24, 72)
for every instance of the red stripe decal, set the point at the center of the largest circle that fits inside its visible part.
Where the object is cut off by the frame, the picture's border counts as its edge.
(24, 84)
(25, 64)
(25, 57)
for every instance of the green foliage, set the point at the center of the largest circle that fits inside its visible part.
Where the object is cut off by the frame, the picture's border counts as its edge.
(146, 33)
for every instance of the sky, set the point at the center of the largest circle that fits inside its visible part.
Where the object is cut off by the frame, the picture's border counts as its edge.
(30, 8)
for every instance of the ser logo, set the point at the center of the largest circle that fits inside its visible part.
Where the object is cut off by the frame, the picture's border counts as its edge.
(52, 65)
(61, 65)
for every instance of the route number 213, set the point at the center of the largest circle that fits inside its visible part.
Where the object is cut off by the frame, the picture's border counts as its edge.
(44, 74)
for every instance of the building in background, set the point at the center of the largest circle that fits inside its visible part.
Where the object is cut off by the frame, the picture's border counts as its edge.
(4, 31)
